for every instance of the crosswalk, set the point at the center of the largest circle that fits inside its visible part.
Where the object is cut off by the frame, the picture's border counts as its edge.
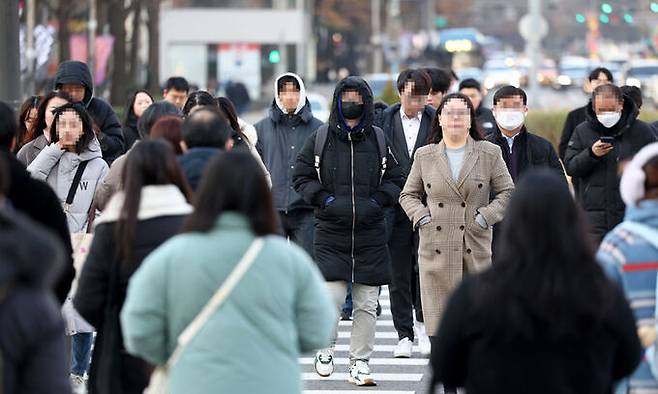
(393, 376)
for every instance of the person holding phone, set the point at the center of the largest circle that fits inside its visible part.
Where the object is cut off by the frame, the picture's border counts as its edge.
(611, 134)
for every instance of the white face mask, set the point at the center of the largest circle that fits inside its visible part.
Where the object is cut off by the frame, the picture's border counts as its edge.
(510, 120)
(609, 119)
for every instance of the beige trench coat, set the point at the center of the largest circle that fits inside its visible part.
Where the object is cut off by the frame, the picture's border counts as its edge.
(453, 243)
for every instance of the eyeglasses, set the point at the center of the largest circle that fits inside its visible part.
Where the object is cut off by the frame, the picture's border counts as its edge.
(456, 112)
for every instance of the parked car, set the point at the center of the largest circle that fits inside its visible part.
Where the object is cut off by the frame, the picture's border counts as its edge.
(319, 106)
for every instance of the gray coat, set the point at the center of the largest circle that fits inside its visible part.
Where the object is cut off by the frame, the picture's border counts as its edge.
(57, 167)
(31, 150)
(452, 243)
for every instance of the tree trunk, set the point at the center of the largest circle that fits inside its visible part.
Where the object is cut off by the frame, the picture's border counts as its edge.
(153, 82)
(63, 31)
(134, 43)
(118, 30)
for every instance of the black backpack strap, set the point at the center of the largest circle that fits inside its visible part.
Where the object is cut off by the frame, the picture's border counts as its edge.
(76, 182)
(383, 150)
(320, 142)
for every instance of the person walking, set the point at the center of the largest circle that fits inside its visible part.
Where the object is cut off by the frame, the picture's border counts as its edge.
(73, 166)
(407, 126)
(279, 308)
(611, 134)
(137, 104)
(281, 135)
(457, 172)
(74, 78)
(32, 345)
(544, 318)
(148, 211)
(346, 172)
(628, 254)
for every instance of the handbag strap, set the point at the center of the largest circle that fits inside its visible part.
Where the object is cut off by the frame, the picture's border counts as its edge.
(216, 301)
(76, 181)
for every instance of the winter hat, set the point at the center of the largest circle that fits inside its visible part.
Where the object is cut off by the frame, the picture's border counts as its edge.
(633, 179)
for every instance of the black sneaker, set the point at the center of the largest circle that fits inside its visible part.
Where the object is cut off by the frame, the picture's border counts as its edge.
(345, 315)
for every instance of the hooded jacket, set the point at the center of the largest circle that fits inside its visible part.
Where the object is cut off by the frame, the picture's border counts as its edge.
(57, 167)
(349, 232)
(111, 138)
(280, 137)
(599, 182)
(37, 200)
(32, 345)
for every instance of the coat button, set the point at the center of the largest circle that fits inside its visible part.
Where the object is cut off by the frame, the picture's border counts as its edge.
(480, 186)
(429, 186)
(468, 251)
(463, 205)
(440, 205)
(438, 228)
(461, 228)
(438, 251)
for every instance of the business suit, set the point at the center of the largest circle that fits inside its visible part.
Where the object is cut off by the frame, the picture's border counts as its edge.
(403, 241)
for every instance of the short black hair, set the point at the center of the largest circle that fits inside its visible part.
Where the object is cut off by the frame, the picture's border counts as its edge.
(8, 125)
(440, 79)
(420, 78)
(198, 98)
(207, 128)
(470, 83)
(610, 89)
(634, 93)
(594, 74)
(287, 79)
(177, 83)
(151, 115)
(509, 91)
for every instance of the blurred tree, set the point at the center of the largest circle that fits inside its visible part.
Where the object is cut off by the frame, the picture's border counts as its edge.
(117, 19)
(152, 25)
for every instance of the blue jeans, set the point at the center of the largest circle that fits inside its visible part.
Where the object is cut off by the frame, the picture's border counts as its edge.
(81, 353)
(347, 306)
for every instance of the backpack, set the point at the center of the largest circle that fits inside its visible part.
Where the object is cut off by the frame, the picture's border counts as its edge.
(321, 142)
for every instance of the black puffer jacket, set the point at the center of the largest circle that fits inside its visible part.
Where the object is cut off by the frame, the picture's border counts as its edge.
(32, 343)
(111, 138)
(599, 180)
(350, 242)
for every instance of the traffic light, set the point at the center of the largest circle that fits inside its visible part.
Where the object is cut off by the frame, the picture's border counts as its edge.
(628, 18)
(580, 18)
(274, 56)
(654, 7)
(604, 18)
(606, 8)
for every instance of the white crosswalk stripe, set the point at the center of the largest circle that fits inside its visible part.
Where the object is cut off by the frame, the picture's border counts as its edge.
(393, 375)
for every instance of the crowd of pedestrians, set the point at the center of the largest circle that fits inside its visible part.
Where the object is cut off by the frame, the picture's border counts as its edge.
(190, 251)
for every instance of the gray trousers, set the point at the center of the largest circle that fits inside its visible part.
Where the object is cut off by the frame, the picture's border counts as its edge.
(364, 317)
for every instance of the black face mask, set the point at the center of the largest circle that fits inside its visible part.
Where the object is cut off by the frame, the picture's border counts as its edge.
(352, 110)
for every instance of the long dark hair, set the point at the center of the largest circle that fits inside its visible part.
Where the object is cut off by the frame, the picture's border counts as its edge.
(23, 135)
(169, 128)
(40, 124)
(131, 118)
(224, 189)
(151, 162)
(89, 130)
(227, 107)
(437, 132)
(545, 281)
(197, 98)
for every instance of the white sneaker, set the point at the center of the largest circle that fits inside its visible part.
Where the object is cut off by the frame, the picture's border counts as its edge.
(424, 345)
(403, 349)
(360, 374)
(78, 384)
(324, 362)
